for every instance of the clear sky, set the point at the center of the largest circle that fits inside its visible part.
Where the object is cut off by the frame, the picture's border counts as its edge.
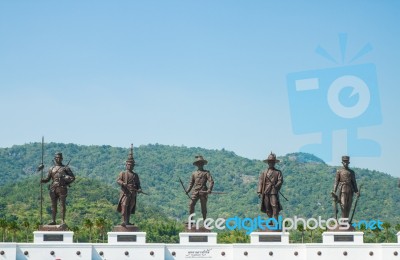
(212, 74)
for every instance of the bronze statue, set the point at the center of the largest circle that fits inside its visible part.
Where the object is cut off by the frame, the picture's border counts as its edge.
(61, 176)
(344, 187)
(130, 187)
(269, 185)
(198, 182)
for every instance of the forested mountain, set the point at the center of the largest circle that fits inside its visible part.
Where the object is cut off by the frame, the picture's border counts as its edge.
(307, 184)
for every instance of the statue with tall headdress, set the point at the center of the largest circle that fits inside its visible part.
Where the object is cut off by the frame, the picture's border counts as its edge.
(130, 187)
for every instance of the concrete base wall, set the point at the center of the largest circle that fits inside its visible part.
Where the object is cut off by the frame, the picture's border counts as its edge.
(328, 250)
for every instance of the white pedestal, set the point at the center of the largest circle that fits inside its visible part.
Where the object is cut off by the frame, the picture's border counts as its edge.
(126, 237)
(194, 238)
(342, 238)
(53, 236)
(269, 238)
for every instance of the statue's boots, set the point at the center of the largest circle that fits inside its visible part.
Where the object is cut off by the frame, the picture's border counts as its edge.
(123, 221)
(128, 216)
(63, 209)
(276, 217)
(63, 217)
(53, 218)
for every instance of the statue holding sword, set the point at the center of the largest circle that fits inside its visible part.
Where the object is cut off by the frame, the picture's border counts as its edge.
(269, 185)
(344, 188)
(198, 185)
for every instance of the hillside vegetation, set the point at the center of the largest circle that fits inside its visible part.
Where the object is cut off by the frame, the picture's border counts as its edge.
(94, 195)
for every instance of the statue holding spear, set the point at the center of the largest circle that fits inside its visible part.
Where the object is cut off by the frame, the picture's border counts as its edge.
(61, 176)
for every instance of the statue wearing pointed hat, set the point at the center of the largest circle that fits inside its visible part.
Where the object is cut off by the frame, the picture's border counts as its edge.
(269, 185)
(198, 186)
(130, 187)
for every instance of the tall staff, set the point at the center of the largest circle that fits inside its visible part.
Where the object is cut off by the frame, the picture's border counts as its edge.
(40, 168)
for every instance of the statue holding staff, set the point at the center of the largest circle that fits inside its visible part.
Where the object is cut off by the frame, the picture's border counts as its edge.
(61, 177)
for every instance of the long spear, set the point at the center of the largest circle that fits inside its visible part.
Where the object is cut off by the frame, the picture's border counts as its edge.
(41, 185)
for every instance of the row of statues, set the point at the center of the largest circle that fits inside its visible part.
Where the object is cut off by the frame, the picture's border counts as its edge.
(271, 180)
(200, 185)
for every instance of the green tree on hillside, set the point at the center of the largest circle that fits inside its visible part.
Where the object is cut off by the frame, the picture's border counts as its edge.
(233, 236)
(27, 230)
(101, 225)
(386, 226)
(87, 223)
(3, 226)
(14, 228)
(300, 228)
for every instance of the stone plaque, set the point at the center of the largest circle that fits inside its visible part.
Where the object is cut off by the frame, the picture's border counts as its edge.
(126, 238)
(273, 238)
(343, 238)
(53, 237)
(198, 238)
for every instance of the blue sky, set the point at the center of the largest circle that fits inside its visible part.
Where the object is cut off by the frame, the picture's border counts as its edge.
(212, 74)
